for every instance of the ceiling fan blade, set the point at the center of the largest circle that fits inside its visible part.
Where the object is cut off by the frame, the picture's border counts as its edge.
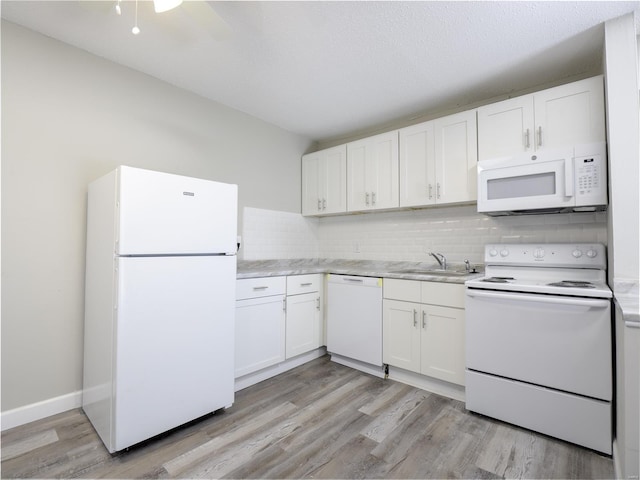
(208, 19)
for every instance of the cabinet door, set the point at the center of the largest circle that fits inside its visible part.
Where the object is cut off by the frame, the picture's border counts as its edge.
(401, 334)
(359, 167)
(417, 165)
(260, 333)
(303, 323)
(456, 157)
(372, 172)
(506, 128)
(442, 343)
(334, 180)
(311, 175)
(570, 114)
(384, 174)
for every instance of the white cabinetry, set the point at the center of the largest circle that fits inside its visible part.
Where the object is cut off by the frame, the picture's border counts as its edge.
(277, 319)
(438, 161)
(562, 116)
(260, 324)
(324, 181)
(372, 173)
(304, 330)
(423, 328)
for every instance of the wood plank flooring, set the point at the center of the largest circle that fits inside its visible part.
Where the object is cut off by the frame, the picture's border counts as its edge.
(320, 420)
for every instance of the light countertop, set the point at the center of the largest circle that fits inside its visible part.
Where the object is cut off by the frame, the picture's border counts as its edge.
(365, 268)
(627, 296)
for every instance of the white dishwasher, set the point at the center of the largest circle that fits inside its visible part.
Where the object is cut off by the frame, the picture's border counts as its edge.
(354, 320)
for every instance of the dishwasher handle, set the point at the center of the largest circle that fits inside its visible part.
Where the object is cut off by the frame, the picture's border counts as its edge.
(355, 280)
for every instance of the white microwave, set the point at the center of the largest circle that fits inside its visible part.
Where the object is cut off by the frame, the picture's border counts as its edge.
(566, 180)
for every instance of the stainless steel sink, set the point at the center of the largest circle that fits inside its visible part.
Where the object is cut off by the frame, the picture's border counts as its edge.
(440, 272)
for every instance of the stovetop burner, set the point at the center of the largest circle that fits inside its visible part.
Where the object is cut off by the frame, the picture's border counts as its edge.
(497, 279)
(572, 284)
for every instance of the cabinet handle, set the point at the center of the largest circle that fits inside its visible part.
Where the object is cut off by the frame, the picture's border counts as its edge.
(306, 284)
(415, 317)
(430, 191)
(540, 136)
(373, 198)
(527, 139)
(424, 319)
(357, 280)
(284, 304)
(324, 203)
(319, 204)
(366, 198)
(438, 190)
(261, 288)
(318, 304)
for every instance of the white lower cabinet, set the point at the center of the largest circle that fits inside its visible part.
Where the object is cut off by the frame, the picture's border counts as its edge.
(260, 324)
(277, 318)
(426, 338)
(304, 314)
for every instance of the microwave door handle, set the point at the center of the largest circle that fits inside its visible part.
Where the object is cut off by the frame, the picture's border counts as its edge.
(568, 177)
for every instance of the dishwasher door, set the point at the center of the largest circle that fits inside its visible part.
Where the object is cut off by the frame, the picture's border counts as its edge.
(354, 318)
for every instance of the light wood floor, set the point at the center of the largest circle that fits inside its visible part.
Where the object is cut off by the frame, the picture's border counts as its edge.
(320, 420)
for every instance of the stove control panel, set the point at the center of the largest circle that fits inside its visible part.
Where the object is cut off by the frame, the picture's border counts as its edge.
(582, 255)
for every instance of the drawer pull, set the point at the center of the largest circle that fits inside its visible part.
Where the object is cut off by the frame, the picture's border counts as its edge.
(306, 284)
(261, 288)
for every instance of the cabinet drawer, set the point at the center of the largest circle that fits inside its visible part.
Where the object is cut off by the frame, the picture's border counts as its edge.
(297, 284)
(445, 294)
(405, 290)
(260, 287)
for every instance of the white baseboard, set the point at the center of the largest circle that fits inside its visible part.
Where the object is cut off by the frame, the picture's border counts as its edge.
(433, 385)
(374, 370)
(268, 372)
(617, 471)
(36, 411)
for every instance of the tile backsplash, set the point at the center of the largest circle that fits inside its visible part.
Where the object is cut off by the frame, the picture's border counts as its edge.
(270, 234)
(458, 232)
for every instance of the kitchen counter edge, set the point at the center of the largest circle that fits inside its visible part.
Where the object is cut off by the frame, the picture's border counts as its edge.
(274, 268)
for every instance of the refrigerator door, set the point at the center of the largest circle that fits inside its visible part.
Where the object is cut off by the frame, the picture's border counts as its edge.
(175, 348)
(161, 213)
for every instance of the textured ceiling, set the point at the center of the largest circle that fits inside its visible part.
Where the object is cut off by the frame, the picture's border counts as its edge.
(332, 69)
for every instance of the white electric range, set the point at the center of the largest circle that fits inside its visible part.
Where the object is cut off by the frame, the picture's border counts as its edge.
(538, 335)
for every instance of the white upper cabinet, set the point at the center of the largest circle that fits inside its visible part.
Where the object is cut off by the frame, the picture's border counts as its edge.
(438, 161)
(324, 181)
(570, 114)
(456, 157)
(417, 165)
(372, 173)
(505, 128)
(557, 117)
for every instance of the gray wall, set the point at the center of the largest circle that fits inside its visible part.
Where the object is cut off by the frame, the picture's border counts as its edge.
(67, 118)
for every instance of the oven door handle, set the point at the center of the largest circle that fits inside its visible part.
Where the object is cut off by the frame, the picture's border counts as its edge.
(578, 302)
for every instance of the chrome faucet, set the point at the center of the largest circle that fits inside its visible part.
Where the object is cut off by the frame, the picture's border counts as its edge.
(442, 260)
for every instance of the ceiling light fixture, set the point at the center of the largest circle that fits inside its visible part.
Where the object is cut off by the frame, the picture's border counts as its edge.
(118, 9)
(165, 5)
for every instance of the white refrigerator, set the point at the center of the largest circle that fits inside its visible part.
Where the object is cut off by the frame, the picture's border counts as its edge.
(159, 303)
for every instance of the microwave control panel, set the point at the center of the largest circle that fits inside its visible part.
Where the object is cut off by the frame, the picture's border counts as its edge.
(591, 181)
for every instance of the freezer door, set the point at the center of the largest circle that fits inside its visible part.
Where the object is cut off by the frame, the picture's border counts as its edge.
(174, 343)
(160, 213)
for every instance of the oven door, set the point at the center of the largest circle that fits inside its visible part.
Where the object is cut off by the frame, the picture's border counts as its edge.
(525, 184)
(548, 340)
